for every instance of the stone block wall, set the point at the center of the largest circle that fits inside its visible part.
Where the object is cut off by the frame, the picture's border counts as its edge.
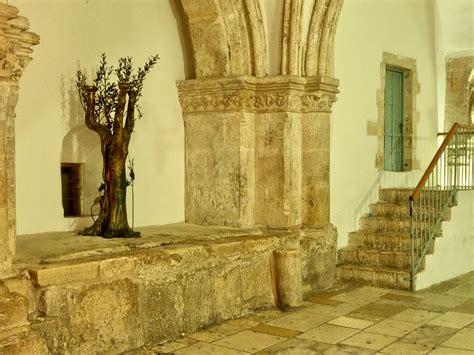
(457, 107)
(151, 295)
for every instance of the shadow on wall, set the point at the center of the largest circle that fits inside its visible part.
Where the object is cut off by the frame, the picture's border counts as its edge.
(80, 147)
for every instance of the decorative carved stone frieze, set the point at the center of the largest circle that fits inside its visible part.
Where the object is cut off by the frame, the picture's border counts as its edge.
(250, 94)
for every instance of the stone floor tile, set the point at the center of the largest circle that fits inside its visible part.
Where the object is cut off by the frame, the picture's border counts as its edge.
(327, 310)
(300, 321)
(265, 316)
(347, 349)
(355, 297)
(370, 340)
(296, 347)
(351, 322)
(431, 307)
(208, 349)
(186, 341)
(372, 290)
(445, 287)
(322, 300)
(226, 329)
(464, 339)
(405, 348)
(450, 351)
(465, 307)
(272, 330)
(381, 310)
(428, 335)
(462, 291)
(206, 336)
(453, 320)
(401, 298)
(368, 317)
(249, 341)
(416, 315)
(245, 323)
(169, 347)
(392, 327)
(328, 333)
(444, 300)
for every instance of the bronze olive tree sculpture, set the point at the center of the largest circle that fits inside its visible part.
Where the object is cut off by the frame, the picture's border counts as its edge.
(110, 112)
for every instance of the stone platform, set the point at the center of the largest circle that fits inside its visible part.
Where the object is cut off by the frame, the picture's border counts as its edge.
(88, 294)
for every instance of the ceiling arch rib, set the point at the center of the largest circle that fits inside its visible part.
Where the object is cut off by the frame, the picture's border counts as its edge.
(229, 37)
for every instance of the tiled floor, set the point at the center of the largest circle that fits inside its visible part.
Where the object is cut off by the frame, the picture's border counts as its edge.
(359, 320)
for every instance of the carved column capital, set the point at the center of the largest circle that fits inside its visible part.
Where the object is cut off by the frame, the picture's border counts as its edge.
(253, 94)
(15, 44)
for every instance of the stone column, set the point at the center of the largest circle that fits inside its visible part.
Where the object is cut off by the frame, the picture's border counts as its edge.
(257, 150)
(15, 50)
(288, 277)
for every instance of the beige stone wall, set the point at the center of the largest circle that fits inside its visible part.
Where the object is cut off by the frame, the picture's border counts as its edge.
(458, 71)
(15, 49)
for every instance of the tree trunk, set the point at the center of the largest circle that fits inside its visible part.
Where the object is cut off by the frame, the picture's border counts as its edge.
(116, 194)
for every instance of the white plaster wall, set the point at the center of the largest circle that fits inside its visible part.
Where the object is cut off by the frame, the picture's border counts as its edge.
(454, 251)
(365, 30)
(75, 31)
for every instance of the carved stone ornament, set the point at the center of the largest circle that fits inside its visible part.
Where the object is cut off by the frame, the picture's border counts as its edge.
(15, 43)
(251, 94)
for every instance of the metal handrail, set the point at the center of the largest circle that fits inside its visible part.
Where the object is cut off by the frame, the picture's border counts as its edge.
(450, 170)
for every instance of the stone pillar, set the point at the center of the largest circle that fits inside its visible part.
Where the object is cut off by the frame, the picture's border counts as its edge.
(257, 150)
(288, 277)
(15, 50)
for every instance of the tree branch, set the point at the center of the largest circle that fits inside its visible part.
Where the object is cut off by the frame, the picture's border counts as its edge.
(130, 122)
(92, 122)
(120, 108)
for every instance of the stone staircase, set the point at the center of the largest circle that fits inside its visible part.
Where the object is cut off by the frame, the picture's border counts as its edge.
(379, 253)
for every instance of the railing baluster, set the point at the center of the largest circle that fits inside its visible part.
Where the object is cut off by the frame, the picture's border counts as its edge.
(451, 169)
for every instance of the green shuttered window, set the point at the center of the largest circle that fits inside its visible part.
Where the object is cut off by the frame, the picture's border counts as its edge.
(393, 137)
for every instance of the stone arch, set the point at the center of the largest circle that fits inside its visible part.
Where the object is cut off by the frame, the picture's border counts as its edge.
(239, 44)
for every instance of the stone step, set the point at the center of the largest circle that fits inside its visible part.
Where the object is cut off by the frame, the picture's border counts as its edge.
(402, 196)
(381, 277)
(402, 211)
(391, 225)
(381, 241)
(374, 257)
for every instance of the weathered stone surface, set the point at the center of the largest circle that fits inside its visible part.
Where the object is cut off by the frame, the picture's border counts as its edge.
(13, 310)
(228, 293)
(104, 317)
(15, 50)
(158, 293)
(288, 277)
(319, 252)
(116, 267)
(65, 273)
(26, 343)
(257, 283)
(198, 296)
(257, 150)
(162, 305)
(457, 107)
